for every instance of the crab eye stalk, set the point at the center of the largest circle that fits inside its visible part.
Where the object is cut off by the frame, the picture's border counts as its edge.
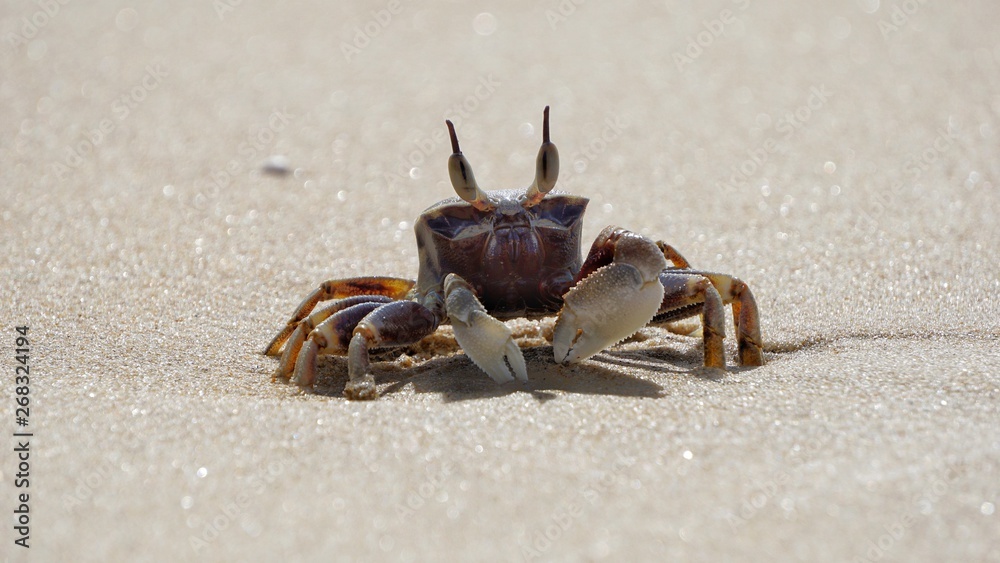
(546, 167)
(461, 176)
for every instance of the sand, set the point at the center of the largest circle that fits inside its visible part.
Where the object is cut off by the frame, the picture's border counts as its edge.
(841, 159)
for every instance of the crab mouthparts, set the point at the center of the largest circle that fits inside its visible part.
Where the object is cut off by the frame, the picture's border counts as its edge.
(515, 249)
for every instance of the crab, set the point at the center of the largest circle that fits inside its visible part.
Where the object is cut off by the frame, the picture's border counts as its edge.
(486, 256)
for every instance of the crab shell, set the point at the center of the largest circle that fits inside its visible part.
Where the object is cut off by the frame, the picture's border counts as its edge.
(519, 260)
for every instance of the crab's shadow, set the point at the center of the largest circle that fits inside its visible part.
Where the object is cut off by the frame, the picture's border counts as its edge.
(456, 378)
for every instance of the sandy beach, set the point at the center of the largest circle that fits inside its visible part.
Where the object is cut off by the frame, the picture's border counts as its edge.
(176, 178)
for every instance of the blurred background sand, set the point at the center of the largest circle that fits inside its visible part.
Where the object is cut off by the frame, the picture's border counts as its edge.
(839, 157)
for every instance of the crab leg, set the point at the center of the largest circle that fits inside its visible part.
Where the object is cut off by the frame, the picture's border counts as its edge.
(681, 303)
(486, 341)
(335, 323)
(394, 324)
(380, 326)
(394, 288)
(618, 292)
(672, 256)
(687, 294)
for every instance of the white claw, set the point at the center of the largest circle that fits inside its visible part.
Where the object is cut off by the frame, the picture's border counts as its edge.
(516, 359)
(486, 341)
(603, 309)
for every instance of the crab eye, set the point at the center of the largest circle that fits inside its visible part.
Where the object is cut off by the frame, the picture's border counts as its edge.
(546, 167)
(462, 178)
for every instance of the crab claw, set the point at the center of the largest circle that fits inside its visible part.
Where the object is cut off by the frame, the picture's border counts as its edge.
(612, 303)
(486, 341)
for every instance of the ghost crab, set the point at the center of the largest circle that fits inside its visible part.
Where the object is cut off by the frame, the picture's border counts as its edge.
(501, 254)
